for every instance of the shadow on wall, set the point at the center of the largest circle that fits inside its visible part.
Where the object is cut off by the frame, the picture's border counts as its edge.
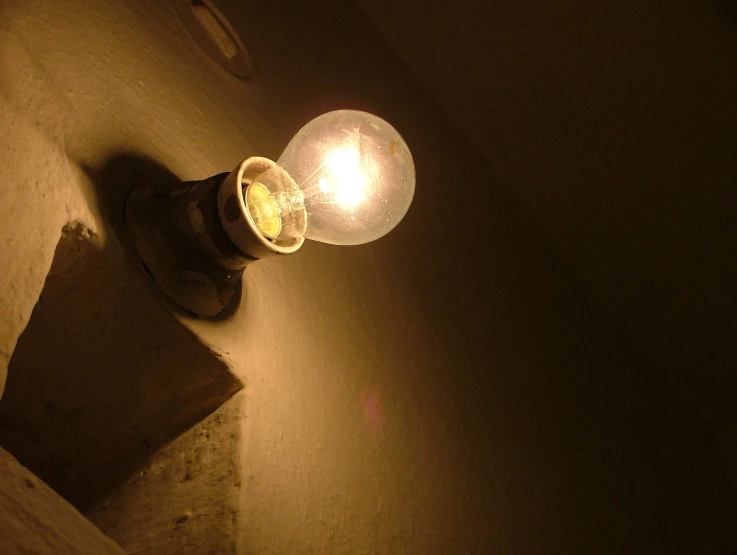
(104, 374)
(113, 184)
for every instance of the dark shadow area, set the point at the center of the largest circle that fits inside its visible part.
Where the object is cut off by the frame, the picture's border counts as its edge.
(113, 183)
(104, 374)
(724, 10)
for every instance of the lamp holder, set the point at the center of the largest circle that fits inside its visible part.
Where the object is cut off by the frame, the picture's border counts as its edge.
(236, 218)
(196, 238)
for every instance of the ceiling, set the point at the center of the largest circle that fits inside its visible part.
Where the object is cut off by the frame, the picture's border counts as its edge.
(615, 125)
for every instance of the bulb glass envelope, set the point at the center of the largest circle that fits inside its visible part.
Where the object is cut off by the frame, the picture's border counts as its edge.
(351, 179)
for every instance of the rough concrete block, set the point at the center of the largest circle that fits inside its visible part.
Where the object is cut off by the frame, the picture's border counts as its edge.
(103, 375)
(186, 500)
(34, 519)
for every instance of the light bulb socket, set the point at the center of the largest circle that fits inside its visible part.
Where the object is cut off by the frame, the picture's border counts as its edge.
(196, 238)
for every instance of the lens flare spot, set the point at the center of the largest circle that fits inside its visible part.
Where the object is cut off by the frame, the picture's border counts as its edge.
(373, 410)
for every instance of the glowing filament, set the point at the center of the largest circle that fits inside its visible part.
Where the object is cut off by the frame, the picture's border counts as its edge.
(346, 183)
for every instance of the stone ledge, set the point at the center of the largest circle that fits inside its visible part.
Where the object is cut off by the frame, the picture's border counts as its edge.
(103, 375)
(186, 500)
(34, 519)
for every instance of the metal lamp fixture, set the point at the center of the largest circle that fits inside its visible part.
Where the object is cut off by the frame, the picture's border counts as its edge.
(346, 178)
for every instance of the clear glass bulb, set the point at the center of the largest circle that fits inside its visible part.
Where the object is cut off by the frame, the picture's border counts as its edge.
(346, 178)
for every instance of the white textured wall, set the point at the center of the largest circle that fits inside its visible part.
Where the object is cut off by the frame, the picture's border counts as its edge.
(452, 388)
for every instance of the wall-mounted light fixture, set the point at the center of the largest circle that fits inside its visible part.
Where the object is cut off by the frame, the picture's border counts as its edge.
(346, 178)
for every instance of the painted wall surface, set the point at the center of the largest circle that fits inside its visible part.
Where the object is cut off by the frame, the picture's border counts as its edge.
(614, 125)
(451, 388)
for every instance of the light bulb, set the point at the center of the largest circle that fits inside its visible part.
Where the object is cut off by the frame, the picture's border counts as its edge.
(346, 178)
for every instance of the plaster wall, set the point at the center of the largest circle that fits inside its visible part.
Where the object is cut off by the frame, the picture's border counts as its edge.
(452, 388)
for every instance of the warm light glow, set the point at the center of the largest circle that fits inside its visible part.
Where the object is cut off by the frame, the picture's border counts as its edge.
(346, 182)
(346, 178)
